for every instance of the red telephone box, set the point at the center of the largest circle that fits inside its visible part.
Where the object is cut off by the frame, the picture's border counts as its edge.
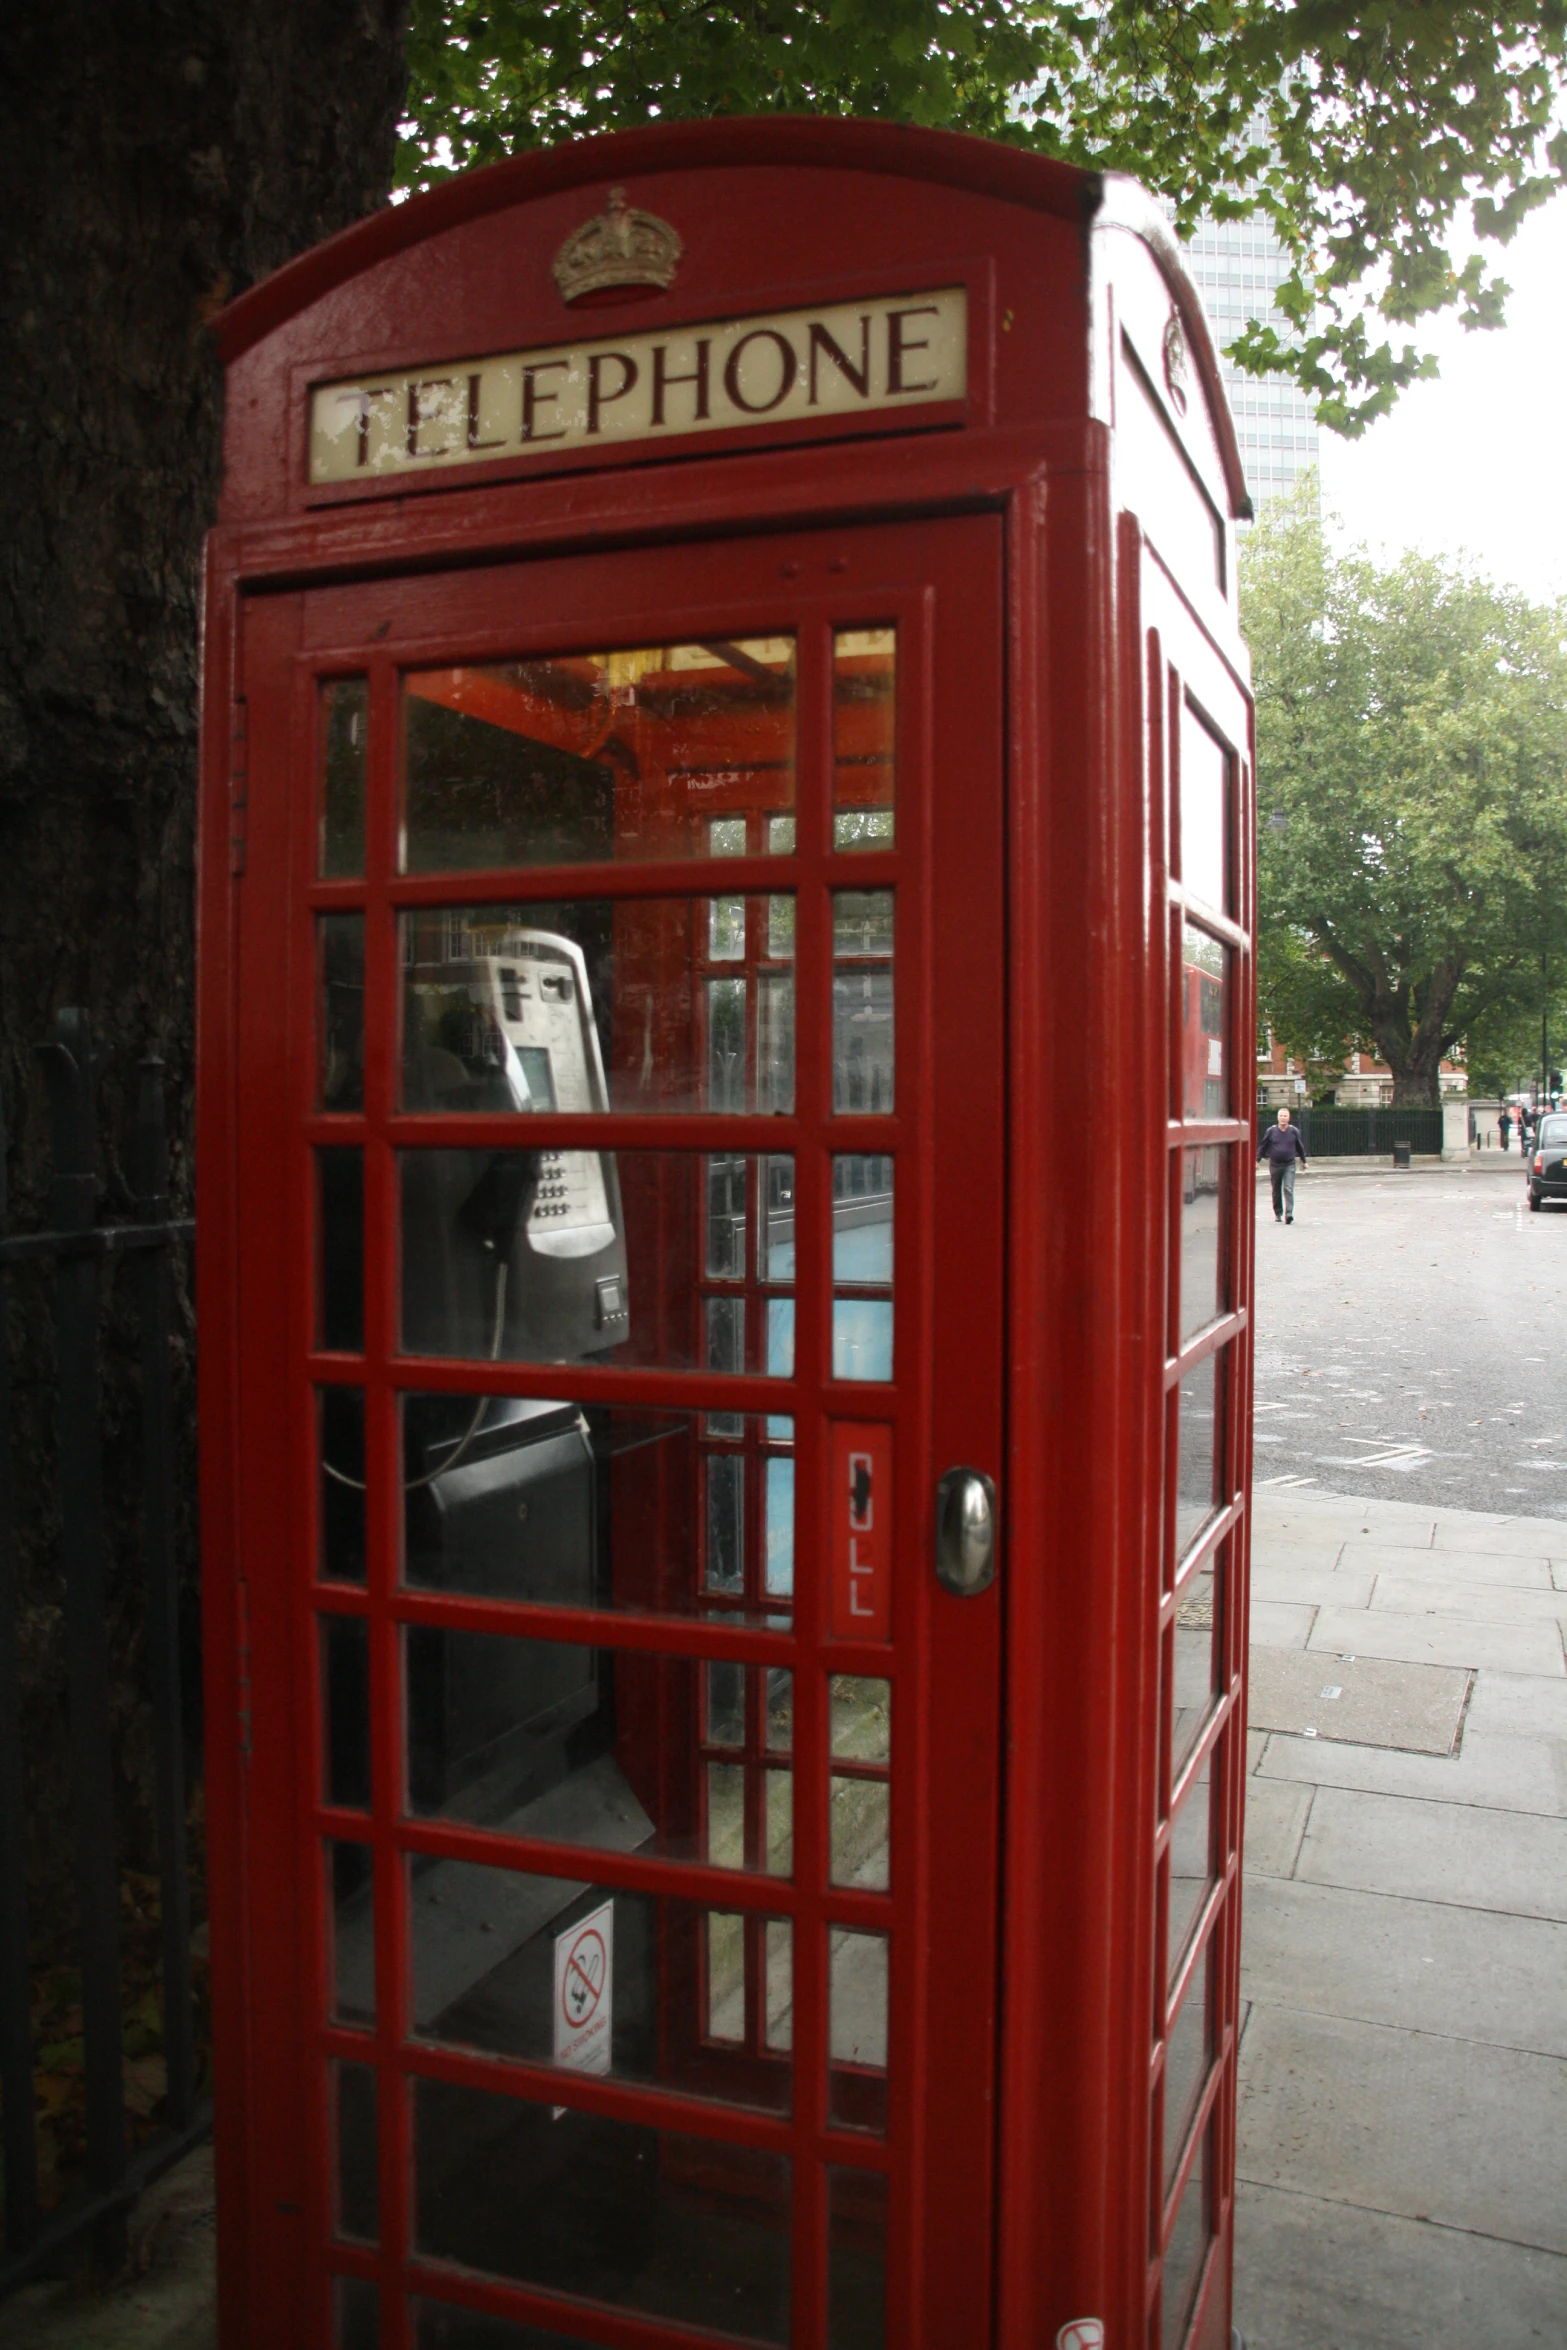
(725, 1223)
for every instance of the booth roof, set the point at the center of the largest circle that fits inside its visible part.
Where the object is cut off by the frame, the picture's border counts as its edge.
(954, 159)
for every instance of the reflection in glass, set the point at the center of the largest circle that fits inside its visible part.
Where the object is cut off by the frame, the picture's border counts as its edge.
(578, 2203)
(351, 1921)
(358, 2185)
(340, 1245)
(1205, 976)
(856, 2259)
(441, 2325)
(343, 725)
(345, 1688)
(598, 1006)
(571, 1744)
(631, 1507)
(1183, 2259)
(861, 1718)
(618, 1265)
(1191, 1862)
(1200, 1454)
(490, 1947)
(340, 961)
(356, 2314)
(1195, 1653)
(857, 2028)
(1205, 808)
(1185, 2068)
(864, 736)
(586, 757)
(340, 1424)
(862, 1267)
(860, 1831)
(1201, 1252)
(862, 1001)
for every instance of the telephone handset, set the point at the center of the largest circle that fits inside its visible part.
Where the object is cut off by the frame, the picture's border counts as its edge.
(515, 1254)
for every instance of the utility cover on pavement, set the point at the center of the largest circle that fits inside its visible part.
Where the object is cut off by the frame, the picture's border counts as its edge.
(1359, 1702)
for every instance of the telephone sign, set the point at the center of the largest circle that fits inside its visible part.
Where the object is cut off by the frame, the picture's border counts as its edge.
(724, 1528)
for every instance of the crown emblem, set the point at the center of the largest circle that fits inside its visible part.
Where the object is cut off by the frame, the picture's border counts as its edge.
(1177, 373)
(622, 247)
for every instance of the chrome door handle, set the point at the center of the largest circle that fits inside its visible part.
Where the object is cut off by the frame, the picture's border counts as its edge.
(965, 1532)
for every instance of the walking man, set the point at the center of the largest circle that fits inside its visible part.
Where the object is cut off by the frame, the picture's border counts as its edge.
(1283, 1149)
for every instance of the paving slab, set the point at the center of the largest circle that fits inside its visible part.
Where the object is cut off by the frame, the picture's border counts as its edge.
(1256, 1741)
(1438, 1640)
(1276, 1816)
(1496, 1774)
(1409, 2122)
(1325, 1585)
(1372, 1701)
(1495, 1603)
(1474, 1566)
(1517, 1704)
(1435, 1852)
(1335, 1951)
(1273, 1623)
(166, 2300)
(1468, 1530)
(1314, 2275)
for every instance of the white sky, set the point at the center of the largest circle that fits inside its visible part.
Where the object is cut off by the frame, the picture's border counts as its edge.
(1475, 462)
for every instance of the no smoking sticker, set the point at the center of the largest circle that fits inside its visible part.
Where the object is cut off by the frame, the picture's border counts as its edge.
(584, 1991)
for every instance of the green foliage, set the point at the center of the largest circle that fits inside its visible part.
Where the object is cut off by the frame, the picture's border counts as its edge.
(1412, 798)
(1371, 137)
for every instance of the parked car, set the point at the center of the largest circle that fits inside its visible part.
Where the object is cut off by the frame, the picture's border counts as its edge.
(1545, 1171)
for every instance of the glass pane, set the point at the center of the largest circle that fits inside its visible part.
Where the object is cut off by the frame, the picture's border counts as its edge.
(340, 1197)
(576, 1745)
(356, 2314)
(780, 1711)
(1200, 1457)
(1205, 810)
(861, 1718)
(1188, 2245)
(864, 736)
(726, 1217)
(778, 1787)
(345, 1679)
(440, 2325)
(682, 2229)
(565, 1256)
(1194, 1662)
(1185, 2068)
(779, 1956)
(340, 959)
(585, 1978)
(343, 730)
(591, 756)
(724, 1719)
(1191, 1862)
(592, 1006)
(340, 1423)
(358, 2186)
(1204, 1291)
(860, 1832)
(856, 2259)
(726, 1338)
(351, 1923)
(629, 1507)
(857, 2028)
(862, 1007)
(1205, 983)
(861, 1264)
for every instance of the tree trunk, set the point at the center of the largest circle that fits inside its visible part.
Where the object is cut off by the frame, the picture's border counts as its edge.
(158, 157)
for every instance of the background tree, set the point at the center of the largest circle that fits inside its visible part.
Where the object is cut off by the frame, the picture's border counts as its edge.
(1412, 794)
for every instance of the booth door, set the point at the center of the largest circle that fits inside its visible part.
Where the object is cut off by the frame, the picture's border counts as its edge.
(619, 1103)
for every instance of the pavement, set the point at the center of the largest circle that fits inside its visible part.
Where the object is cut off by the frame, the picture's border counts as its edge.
(1403, 2062)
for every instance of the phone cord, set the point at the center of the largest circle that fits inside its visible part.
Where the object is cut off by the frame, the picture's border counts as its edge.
(413, 1484)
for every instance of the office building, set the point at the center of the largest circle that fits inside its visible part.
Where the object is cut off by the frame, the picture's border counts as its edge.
(1236, 265)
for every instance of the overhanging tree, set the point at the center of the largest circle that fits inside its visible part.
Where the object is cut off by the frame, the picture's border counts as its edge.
(1412, 790)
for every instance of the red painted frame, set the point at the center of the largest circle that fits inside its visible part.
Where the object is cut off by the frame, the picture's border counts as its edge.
(1075, 263)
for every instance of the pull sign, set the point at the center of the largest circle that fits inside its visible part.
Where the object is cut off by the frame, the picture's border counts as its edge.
(861, 1531)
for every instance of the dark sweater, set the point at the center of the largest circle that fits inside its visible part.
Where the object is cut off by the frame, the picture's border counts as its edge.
(1280, 1144)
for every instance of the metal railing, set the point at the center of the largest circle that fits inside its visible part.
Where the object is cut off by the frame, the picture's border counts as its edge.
(76, 1248)
(1362, 1134)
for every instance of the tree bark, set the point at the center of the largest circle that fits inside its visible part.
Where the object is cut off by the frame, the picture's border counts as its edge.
(158, 156)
